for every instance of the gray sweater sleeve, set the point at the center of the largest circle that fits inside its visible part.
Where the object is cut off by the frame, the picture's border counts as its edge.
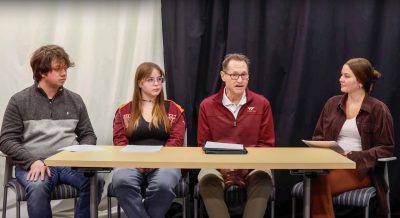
(12, 135)
(84, 129)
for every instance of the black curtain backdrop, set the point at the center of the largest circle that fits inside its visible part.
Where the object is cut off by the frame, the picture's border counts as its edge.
(296, 49)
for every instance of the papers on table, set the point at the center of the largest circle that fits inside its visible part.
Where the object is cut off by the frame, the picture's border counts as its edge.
(223, 148)
(325, 144)
(142, 148)
(81, 148)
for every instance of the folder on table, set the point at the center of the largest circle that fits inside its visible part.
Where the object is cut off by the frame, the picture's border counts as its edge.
(223, 148)
(324, 144)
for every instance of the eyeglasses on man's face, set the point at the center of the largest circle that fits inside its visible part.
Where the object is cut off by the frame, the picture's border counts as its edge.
(153, 80)
(235, 76)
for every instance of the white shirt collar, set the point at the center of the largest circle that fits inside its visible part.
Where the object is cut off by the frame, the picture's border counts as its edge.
(226, 102)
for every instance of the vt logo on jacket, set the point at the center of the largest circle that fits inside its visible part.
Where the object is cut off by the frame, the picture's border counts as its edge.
(251, 109)
(171, 117)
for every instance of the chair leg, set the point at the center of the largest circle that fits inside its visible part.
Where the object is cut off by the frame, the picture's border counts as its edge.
(5, 202)
(272, 209)
(109, 206)
(18, 209)
(119, 210)
(386, 176)
(195, 208)
(184, 205)
(366, 211)
(388, 197)
(293, 207)
(75, 200)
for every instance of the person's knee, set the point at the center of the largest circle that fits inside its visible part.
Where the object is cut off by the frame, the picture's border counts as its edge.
(119, 179)
(259, 177)
(165, 180)
(126, 181)
(260, 181)
(38, 185)
(38, 189)
(163, 186)
(170, 175)
(210, 181)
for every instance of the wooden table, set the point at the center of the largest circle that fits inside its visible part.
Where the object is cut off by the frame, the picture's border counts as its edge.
(307, 159)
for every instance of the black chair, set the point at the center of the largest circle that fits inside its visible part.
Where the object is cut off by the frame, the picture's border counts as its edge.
(61, 191)
(181, 191)
(353, 198)
(235, 198)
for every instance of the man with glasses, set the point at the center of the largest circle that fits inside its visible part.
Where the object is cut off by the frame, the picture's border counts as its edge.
(235, 115)
(37, 122)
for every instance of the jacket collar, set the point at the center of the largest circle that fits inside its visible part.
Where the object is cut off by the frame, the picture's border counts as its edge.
(220, 93)
(365, 106)
(41, 91)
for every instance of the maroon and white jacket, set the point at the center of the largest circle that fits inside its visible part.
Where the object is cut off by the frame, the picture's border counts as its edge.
(253, 127)
(175, 114)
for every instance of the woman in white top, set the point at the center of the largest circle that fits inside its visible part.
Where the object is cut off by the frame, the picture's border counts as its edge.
(363, 127)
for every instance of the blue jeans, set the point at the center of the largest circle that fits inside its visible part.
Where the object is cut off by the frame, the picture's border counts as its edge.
(38, 193)
(158, 195)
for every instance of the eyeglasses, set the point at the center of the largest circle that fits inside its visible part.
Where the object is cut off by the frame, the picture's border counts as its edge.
(153, 80)
(235, 76)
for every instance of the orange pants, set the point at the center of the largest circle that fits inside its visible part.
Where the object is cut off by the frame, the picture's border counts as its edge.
(324, 187)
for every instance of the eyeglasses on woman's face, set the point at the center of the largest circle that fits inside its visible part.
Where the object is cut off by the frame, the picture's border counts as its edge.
(153, 80)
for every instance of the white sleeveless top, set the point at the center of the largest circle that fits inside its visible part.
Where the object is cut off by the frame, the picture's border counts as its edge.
(349, 138)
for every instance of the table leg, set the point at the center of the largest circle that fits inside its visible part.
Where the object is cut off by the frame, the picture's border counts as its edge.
(93, 196)
(306, 196)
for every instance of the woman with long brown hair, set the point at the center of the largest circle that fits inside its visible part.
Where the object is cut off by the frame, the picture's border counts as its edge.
(147, 120)
(363, 126)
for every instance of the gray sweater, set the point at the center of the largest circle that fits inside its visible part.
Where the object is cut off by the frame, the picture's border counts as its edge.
(34, 127)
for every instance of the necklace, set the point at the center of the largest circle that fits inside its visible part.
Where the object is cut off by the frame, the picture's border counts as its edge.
(150, 101)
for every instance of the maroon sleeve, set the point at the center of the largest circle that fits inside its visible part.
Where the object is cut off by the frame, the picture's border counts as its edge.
(178, 126)
(119, 137)
(267, 131)
(382, 140)
(319, 127)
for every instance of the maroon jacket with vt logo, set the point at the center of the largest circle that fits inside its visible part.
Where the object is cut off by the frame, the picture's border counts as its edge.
(253, 127)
